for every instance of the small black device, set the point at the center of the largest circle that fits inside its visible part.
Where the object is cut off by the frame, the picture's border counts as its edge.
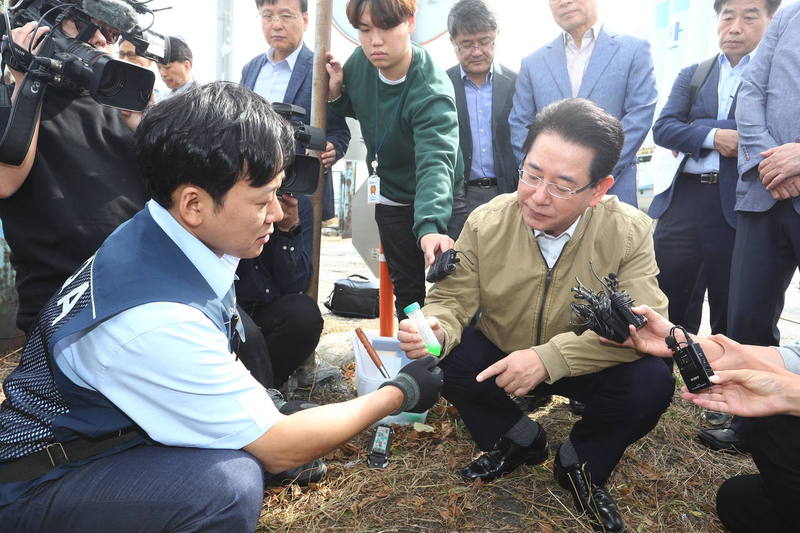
(302, 176)
(380, 446)
(691, 360)
(443, 266)
(607, 313)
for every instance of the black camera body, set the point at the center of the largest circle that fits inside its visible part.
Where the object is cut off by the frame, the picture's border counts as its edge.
(607, 313)
(443, 266)
(691, 361)
(70, 62)
(302, 176)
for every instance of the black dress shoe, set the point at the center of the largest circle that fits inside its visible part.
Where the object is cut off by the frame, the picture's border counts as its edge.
(577, 407)
(505, 457)
(589, 498)
(725, 439)
(312, 472)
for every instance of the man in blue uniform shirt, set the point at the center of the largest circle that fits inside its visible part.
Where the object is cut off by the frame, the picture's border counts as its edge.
(129, 411)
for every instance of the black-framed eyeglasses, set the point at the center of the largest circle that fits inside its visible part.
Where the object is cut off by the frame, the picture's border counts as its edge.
(553, 189)
(480, 44)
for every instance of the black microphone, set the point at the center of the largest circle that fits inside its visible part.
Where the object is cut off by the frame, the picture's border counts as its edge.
(118, 14)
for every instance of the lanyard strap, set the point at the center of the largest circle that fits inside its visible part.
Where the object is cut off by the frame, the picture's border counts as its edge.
(395, 114)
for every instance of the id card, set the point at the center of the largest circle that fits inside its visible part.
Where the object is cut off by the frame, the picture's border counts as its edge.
(374, 186)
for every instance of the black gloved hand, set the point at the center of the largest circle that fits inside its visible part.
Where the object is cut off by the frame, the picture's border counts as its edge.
(421, 383)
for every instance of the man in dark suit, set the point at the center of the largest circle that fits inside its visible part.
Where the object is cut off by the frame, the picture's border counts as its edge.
(484, 94)
(283, 74)
(696, 220)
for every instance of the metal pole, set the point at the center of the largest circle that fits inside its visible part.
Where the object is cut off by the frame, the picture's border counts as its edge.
(319, 115)
(319, 119)
(224, 38)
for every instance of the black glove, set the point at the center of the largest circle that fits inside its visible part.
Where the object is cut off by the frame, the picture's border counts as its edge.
(421, 383)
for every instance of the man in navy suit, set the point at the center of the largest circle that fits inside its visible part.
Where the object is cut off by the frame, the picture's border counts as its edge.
(484, 91)
(696, 219)
(589, 61)
(283, 74)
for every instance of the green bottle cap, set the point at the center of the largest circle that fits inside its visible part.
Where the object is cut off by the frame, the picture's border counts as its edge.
(411, 308)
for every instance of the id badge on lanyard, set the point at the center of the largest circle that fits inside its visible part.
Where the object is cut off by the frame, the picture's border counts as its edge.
(374, 185)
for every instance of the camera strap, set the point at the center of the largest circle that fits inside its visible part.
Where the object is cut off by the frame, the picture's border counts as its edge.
(22, 122)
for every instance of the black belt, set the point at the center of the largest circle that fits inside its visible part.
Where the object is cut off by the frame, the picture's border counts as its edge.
(483, 182)
(705, 177)
(56, 454)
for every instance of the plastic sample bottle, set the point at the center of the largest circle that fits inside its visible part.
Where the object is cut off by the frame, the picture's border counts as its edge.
(414, 313)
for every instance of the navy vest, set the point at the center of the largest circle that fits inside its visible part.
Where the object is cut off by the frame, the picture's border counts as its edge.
(136, 265)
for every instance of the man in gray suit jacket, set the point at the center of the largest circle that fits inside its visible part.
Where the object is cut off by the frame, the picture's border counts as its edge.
(484, 92)
(767, 248)
(589, 61)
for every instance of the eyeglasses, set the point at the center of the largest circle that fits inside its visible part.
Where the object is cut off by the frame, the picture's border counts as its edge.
(109, 33)
(482, 44)
(553, 189)
(285, 17)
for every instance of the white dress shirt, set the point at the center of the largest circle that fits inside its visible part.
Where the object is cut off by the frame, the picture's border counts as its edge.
(578, 58)
(550, 246)
(273, 79)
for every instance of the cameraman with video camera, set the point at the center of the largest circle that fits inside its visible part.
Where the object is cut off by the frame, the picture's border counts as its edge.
(77, 180)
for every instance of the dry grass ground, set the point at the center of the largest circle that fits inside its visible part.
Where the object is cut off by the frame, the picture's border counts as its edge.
(665, 483)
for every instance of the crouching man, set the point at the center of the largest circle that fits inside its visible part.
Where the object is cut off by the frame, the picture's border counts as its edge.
(128, 410)
(522, 253)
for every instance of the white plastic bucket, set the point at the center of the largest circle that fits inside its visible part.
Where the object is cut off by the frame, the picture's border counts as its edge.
(368, 378)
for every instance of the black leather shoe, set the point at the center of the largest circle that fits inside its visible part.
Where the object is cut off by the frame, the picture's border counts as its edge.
(505, 457)
(577, 407)
(588, 498)
(312, 472)
(725, 439)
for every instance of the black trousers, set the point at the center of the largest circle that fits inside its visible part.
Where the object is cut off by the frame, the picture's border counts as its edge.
(765, 256)
(765, 501)
(623, 402)
(280, 336)
(694, 246)
(404, 258)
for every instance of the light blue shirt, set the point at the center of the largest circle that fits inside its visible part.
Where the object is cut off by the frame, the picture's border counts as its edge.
(729, 80)
(273, 79)
(550, 246)
(479, 108)
(169, 368)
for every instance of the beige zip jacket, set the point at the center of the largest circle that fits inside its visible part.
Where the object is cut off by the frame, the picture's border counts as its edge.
(527, 305)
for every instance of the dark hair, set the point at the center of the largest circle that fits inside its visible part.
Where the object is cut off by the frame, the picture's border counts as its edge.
(385, 13)
(584, 123)
(470, 16)
(771, 5)
(211, 136)
(179, 50)
(303, 4)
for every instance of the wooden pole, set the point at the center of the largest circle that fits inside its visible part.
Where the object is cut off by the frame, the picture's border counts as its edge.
(319, 115)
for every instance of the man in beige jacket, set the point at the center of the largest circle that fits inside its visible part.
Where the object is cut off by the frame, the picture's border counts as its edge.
(521, 254)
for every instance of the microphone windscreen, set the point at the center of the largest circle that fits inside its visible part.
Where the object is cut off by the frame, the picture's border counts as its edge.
(116, 13)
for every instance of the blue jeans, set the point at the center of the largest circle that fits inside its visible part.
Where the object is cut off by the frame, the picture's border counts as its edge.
(147, 489)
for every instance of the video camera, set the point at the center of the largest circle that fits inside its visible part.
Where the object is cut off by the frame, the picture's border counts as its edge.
(302, 176)
(72, 63)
